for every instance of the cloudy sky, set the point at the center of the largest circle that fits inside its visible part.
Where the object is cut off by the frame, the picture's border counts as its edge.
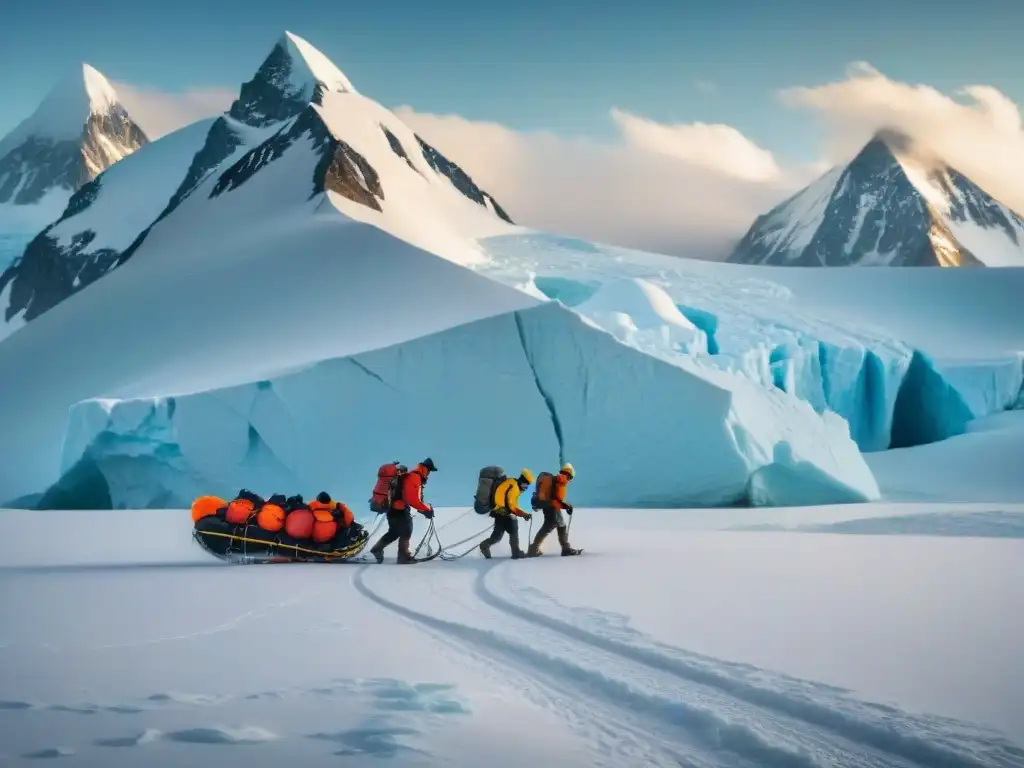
(646, 124)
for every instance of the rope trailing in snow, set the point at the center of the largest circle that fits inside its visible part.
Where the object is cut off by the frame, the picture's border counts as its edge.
(448, 556)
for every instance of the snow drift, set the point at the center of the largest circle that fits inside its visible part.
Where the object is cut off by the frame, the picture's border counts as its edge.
(529, 388)
(642, 315)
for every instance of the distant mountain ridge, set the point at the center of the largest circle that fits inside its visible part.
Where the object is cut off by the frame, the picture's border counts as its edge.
(892, 205)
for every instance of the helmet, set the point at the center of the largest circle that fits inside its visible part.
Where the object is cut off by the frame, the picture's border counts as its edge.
(527, 475)
(567, 469)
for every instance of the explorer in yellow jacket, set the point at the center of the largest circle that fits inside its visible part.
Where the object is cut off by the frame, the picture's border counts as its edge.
(506, 513)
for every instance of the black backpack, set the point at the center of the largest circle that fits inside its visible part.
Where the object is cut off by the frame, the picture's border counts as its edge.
(490, 478)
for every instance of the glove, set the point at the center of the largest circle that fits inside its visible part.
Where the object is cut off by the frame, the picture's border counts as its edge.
(429, 514)
(527, 516)
(568, 509)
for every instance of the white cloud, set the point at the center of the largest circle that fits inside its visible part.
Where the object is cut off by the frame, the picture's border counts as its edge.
(686, 190)
(979, 133)
(716, 147)
(160, 112)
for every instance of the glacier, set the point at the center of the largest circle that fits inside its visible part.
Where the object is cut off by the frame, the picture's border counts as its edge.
(530, 388)
(907, 357)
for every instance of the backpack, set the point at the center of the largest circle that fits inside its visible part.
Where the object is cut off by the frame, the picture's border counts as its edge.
(545, 489)
(388, 487)
(490, 478)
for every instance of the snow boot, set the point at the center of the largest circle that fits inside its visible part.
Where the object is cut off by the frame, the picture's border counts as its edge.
(485, 549)
(563, 539)
(534, 549)
(518, 554)
(405, 557)
(378, 553)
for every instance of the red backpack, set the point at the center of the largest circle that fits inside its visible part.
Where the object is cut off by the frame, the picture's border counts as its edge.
(388, 487)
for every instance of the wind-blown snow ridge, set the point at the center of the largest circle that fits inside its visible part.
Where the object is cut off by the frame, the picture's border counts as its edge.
(892, 205)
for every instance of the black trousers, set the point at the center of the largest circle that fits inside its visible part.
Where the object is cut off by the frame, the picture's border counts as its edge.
(503, 524)
(399, 529)
(552, 519)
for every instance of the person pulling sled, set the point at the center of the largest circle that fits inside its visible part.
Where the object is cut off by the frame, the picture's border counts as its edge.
(505, 511)
(550, 499)
(405, 494)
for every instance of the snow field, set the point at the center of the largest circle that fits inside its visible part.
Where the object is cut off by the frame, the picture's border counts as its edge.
(450, 661)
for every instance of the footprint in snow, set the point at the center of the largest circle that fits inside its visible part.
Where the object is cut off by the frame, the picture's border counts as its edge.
(401, 696)
(50, 753)
(147, 736)
(379, 741)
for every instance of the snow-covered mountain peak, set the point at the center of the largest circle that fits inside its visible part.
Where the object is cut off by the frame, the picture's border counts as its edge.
(310, 66)
(78, 130)
(63, 112)
(896, 203)
(294, 74)
(100, 92)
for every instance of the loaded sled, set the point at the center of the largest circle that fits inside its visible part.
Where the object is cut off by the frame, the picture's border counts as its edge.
(249, 530)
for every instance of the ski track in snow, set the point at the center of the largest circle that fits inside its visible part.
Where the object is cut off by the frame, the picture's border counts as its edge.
(642, 700)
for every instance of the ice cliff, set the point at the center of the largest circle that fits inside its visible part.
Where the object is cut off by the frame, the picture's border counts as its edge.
(525, 388)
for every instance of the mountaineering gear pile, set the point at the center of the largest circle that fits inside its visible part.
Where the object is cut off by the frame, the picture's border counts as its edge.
(409, 496)
(505, 511)
(279, 529)
(550, 499)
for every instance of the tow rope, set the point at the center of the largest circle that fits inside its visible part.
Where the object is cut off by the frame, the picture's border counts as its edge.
(446, 553)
